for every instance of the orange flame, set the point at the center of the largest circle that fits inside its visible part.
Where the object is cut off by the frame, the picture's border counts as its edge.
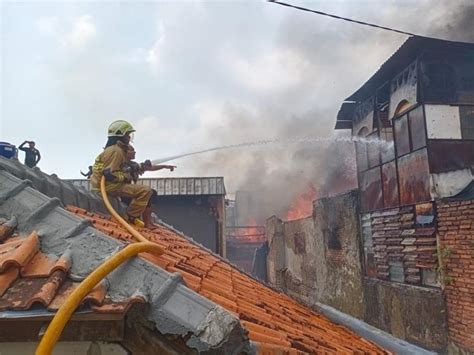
(302, 207)
(252, 233)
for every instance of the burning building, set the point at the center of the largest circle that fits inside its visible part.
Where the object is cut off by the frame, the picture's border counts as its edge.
(243, 233)
(397, 252)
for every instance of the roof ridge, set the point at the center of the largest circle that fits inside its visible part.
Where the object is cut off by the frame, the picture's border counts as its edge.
(52, 186)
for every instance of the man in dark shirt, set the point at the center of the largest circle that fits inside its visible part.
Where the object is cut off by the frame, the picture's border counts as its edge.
(32, 155)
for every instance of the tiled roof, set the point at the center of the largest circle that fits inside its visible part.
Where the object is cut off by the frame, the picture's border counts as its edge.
(54, 187)
(29, 278)
(275, 322)
(38, 270)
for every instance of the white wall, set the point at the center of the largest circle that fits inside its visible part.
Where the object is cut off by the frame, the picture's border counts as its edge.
(443, 121)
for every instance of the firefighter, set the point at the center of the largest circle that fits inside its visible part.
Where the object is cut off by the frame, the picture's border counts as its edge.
(111, 163)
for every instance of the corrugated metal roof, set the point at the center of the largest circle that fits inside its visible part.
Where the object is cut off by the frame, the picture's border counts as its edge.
(186, 186)
(406, 54)
(344, 116)
(176, 186)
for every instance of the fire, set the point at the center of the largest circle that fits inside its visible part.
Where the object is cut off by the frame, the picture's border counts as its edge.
(251, 233)
(302, 207)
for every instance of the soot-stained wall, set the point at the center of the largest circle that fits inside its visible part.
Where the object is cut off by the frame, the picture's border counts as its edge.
(319, 260)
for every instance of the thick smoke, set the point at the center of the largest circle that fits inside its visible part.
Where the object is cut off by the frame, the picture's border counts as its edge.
(338, 58)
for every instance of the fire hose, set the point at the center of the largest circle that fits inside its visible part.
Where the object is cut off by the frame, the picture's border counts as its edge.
(55, 328)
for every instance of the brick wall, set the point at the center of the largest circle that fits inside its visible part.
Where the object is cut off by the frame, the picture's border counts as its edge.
(456, 235)
(403, 244)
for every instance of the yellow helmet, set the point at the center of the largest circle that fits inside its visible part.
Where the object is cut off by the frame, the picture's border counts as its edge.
(120, 128)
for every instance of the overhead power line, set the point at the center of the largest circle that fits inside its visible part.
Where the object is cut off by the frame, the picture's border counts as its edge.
(343, 18)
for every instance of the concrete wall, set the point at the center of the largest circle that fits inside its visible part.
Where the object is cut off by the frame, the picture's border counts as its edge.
(319, 259)
(415, 314)
(304, 262)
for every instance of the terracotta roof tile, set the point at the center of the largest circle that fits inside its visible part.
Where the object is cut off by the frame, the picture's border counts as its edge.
(29, 277)
(18, 252)
(7, 278)
(274, 321)
(111, 306)
(27, 291)
(5, 232)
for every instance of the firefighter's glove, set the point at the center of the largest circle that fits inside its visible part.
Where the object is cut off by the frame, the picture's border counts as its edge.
(109, 176)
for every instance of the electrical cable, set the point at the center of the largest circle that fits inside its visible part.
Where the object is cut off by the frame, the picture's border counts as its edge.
(346, 19)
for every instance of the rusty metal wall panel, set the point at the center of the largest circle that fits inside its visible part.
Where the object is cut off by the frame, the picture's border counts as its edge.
(361, 156)
(371, 189)
(414, 175)
(373, 151)
(390, 185)
(449, 155)
(417, 128)
(402, 138)
(387, 152)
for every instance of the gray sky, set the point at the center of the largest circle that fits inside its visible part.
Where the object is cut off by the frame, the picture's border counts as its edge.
(191, 75)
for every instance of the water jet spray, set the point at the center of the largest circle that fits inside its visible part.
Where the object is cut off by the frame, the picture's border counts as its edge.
(301, 140)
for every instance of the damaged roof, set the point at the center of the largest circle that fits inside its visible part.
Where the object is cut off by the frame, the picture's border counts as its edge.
(191, 292)
(70, 243)
(30, 278)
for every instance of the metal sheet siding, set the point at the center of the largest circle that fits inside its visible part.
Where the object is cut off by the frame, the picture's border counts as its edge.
(176, 186)
(414, 175)
(205, 186)
(450, 155)
(197, 187)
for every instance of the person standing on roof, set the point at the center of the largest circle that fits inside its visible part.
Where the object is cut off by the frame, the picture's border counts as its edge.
(110, 164)
(88, 174)
(32, 155)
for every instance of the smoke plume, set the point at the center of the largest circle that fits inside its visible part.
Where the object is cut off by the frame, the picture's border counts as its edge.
(319, 62)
